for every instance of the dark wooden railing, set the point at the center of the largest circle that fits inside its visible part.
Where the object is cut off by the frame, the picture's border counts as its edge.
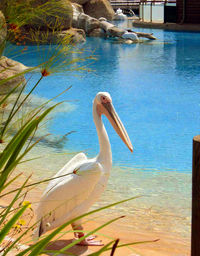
(134, 4)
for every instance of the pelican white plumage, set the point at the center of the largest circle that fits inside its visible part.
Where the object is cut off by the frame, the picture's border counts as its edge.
(68, 197)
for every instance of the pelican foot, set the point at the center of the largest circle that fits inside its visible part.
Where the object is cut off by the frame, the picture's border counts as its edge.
(92, 237)
(89, 241)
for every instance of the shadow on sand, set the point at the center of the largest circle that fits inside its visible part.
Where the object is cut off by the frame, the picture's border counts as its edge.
(59, 244)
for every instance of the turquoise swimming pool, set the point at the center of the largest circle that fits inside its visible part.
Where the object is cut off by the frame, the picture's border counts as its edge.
(155, 86)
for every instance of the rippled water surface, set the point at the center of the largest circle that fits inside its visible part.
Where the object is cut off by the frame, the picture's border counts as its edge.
(155, 86)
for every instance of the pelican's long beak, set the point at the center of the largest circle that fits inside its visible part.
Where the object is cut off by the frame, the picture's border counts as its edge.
(111, 114)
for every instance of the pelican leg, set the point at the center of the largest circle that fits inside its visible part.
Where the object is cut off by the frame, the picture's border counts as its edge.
(88, 241)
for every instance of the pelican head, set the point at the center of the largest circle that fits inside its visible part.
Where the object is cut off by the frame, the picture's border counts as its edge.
(105, 107)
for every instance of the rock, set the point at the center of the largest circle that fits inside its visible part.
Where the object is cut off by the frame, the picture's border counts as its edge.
(130, 35)
(97, 32)
(78, 7)
(128, 41)
(91, 24)
(83, 21)
(3, 32)
(111, 30)
(57, 15)
(115, 31)
(77, 10)
(77, 35)
(106, 25)
(99, 8)
(102, 19)
(9, 68)
(87, 23)
(80, 2)
(146, 35)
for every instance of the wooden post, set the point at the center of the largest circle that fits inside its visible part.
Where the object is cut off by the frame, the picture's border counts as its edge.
(195, 243)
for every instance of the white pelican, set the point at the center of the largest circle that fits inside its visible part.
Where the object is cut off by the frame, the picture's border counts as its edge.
(68, 197)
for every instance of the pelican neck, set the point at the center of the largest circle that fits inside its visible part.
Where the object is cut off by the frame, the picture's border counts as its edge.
(105, 154)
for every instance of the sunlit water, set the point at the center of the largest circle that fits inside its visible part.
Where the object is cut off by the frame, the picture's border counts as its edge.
(155, 87)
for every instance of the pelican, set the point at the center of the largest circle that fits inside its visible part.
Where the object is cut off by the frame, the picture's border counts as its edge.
(66, 198)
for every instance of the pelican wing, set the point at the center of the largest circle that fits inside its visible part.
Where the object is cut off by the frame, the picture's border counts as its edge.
(65, 197)
(68, 168)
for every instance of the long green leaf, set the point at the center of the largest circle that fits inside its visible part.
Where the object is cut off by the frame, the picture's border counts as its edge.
(102, 249)
(3, 81)
(9, 94)
(19, 238)
(134, 243)
(27, 96)
(11, 181)
(11, 114)
(11, 222)
(35, 183)
(13, 201)
(13, 143)
(19, 143)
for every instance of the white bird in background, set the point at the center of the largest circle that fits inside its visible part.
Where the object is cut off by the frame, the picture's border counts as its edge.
(72, 195)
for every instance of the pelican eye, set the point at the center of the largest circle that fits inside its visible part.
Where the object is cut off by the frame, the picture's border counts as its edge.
(104, 99)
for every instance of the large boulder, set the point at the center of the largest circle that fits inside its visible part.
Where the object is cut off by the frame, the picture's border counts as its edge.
(3, 32)
(51, 15)
(87, 23)
(82, 20)
(10, 68)
(99, 8)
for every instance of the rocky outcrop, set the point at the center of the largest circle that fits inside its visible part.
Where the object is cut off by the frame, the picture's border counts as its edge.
(98, 27)
(10, 68)
(99, 8)
(3, 32)
(52, 20)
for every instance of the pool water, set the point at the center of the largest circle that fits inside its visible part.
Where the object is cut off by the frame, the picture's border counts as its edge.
(155, 87)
